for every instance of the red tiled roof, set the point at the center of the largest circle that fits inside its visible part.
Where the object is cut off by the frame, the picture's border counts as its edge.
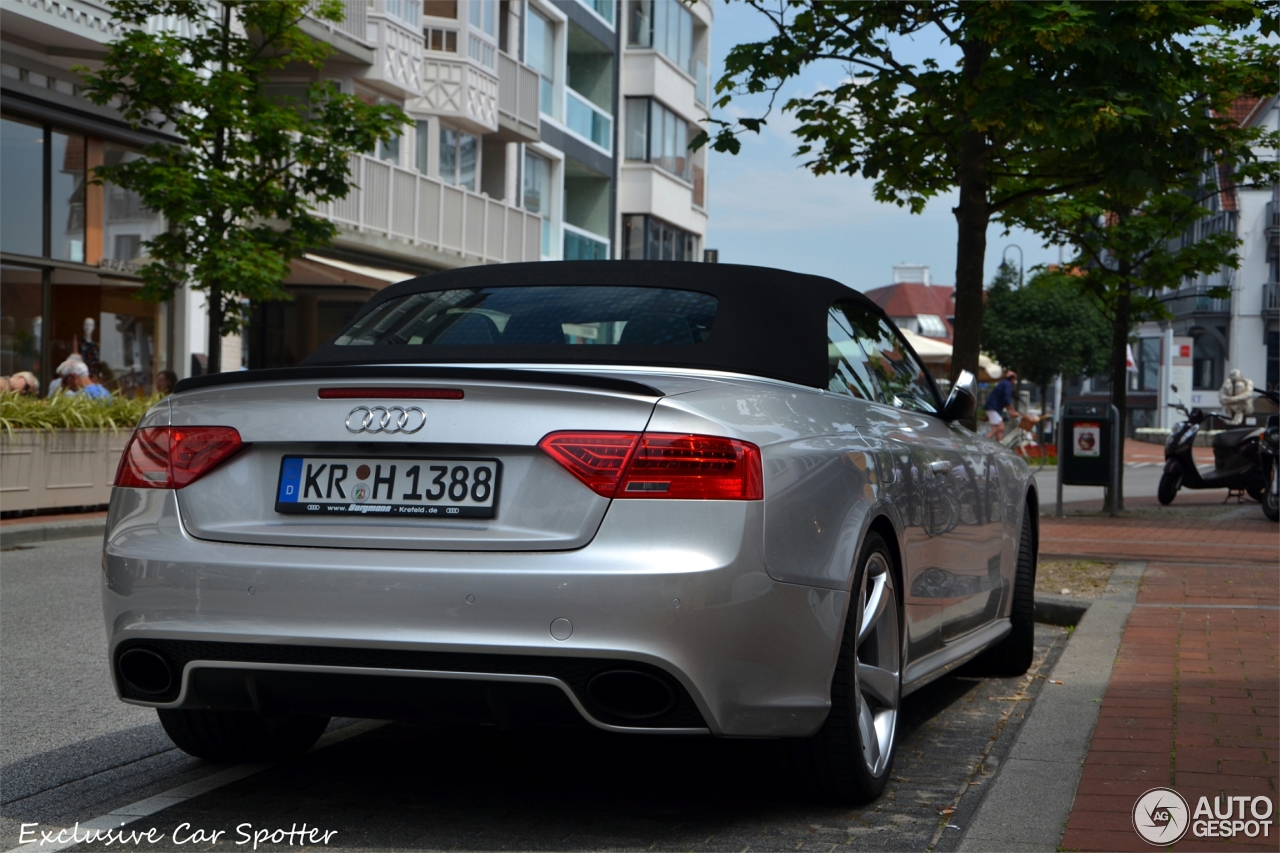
(912, 300)
(1242, 109)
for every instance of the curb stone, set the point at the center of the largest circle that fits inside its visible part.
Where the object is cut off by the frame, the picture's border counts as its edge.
(1027, 804)
(31, 534)
(1059, 609)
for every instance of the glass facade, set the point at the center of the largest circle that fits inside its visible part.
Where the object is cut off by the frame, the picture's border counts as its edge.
(458, 158)
(58, 303)
(584, 247)
(536, 194)
(540, 54)
(667, 27)
(657, 135)
(646, 238)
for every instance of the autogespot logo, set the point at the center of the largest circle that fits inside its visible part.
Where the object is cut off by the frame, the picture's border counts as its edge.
(1160, 816)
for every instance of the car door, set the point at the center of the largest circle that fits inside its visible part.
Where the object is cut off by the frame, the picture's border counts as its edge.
(953, 537)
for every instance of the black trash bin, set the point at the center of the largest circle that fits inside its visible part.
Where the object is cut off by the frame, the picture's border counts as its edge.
(1088, 446)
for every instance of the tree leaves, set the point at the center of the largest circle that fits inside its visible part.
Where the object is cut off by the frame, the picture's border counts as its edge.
(238, 190)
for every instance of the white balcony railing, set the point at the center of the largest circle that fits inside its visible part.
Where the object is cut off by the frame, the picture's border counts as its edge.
(587, 120)
(459, 89)
(518, 96)
(582, 245)
(400, 204)
(398, 44)
(354, 24)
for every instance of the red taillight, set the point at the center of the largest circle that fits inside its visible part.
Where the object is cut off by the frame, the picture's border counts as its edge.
(173, 457)
(595, 458)
(660, 465)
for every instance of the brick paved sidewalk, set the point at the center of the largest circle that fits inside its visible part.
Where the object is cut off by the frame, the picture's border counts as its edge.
(1194, 698)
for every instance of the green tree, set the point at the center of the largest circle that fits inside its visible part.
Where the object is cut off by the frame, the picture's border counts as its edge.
(1038, 90)
(238, 193)
(1136, 231)
(1045, 329)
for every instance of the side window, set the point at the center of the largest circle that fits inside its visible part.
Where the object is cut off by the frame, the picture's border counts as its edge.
(867, 360)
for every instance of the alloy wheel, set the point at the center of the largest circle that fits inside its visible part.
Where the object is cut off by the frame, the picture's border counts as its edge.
(878, 652)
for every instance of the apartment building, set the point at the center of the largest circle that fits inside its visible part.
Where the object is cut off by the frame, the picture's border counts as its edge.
(1209, 336)
(513, 154)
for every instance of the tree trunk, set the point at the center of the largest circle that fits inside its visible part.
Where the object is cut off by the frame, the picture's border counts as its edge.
(972, 216)
(215, 328)
(1120, 374)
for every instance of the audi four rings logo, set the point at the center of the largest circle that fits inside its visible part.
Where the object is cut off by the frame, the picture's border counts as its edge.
(387, 419)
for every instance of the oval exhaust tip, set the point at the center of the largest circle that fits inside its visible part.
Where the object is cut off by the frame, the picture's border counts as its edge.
(146, 671)
(631, 694)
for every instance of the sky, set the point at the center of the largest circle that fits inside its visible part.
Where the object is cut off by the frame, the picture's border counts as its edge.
(766, 209)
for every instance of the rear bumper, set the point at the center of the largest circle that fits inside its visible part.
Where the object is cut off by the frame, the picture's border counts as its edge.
(675, 590)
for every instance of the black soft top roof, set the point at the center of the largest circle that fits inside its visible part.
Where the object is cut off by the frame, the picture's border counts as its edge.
(769, 322)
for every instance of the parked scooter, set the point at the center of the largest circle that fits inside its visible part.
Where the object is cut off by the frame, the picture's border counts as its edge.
(1271, 461)
(1237, 458)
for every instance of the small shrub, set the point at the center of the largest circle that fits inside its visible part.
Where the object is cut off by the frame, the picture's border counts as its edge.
(72, 411)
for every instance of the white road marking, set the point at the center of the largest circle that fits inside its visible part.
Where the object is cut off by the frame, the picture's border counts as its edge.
(159, 802)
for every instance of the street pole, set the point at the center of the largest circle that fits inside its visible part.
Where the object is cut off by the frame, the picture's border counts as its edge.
(1117, 456)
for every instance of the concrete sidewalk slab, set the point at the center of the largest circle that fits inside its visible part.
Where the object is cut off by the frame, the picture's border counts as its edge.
(17, 532)
(1027, 805)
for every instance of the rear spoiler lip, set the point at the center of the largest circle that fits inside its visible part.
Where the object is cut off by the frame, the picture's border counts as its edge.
(400, 371)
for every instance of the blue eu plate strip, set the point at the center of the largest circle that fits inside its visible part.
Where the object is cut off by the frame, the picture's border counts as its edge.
(290, 480)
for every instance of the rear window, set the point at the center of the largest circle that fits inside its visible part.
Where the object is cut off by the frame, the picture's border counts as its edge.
(539, 315)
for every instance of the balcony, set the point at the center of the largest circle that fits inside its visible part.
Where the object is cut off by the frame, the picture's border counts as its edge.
(1196, 302)
(518, 92)
(1271, 300)
(424, 212)
(350, 36)
(394, 30)
(87, 19)
(588, 121)
(582, 245)
(460, 89)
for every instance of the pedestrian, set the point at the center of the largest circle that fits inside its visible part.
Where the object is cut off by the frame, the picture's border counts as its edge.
(60, 382)
(999, 401)
(24, 383)
(79, 380)
(165, 380)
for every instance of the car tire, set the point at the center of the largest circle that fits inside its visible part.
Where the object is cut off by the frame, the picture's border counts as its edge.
(1258, 493)
(228, 737)
(850, 758)
(1170, 482)
(1014, 653)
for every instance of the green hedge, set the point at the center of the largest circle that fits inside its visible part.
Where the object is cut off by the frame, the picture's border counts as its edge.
(72, 411)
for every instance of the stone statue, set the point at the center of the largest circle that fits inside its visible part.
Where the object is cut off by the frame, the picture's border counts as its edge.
(1236, 397)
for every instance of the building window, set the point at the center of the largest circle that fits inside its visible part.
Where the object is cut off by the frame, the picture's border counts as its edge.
(26, 173)
(483, 15)
(458, 158)
(442, 41)
(667, 27)
(21, 317)
(931, 326)
(1207, 358)
(537, 193)
(540, 53)
(645, 238)
(657, 135)
(1149, 364)
(389, 150)
(422, 147)
(126, 222)
(22, 175)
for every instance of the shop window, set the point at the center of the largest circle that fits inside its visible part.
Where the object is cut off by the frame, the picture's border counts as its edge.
(66, 197)
(21, 174)
(21, 319)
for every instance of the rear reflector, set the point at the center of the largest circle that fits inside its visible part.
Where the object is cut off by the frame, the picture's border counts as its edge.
(173, 457)
(660, 465)
(390, 394)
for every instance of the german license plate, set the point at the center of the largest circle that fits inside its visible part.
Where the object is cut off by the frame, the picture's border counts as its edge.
(431, 488)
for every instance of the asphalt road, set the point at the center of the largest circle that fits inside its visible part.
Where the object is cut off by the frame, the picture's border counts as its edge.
(70, 751)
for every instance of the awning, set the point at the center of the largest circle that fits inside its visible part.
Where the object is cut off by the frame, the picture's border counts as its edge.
(313, 269)
(933, 351)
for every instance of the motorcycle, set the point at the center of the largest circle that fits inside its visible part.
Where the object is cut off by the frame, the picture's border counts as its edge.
(1239, 461)
(1271, 462)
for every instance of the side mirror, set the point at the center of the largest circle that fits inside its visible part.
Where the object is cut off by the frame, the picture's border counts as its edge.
(963, 400)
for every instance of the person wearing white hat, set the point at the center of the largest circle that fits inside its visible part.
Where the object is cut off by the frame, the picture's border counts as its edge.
(78, 379)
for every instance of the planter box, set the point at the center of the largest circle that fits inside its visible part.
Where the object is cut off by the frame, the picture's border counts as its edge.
(53, 470)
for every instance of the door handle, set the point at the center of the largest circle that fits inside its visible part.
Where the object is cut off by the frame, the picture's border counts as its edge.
(942, 466)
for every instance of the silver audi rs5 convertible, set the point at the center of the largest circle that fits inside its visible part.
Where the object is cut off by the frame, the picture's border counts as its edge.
(659, 498)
